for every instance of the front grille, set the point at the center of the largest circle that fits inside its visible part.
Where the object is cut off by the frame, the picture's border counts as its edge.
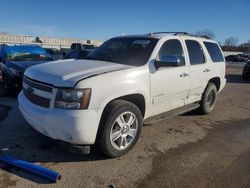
(28, 91)
(41, 101)
(37, 85)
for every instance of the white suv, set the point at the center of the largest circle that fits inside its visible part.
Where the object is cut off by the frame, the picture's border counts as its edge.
(127, 81)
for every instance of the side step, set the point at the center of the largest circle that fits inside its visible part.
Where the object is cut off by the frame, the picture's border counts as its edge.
(171, 113)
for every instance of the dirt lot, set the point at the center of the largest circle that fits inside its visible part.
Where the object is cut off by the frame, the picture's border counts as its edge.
(184, 151)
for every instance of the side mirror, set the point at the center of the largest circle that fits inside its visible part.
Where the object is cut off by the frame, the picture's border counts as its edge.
(169, 61)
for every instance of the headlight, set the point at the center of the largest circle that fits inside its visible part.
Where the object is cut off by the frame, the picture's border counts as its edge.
(76, 99)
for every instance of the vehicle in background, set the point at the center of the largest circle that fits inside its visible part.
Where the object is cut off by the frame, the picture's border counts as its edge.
(76, 54)
(127, 81)
(246, 71)
(80, 46)
(14, 60)
(78, 51)
(55, 53)
(236, 58)
(245, 56)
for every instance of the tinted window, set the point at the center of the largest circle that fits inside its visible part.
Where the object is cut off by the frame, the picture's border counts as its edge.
(73, 46)
(214, 51)
(172, 48)
(125, 50)
(195, 52)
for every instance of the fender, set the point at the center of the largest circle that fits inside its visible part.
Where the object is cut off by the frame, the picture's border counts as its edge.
(116, 84)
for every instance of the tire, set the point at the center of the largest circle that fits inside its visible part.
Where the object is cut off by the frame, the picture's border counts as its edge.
(244, 77)
(209, 98)
(116, 135)
(3, 88)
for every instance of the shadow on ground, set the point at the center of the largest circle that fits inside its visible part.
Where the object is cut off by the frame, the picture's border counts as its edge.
(4, 111)
(236, 78)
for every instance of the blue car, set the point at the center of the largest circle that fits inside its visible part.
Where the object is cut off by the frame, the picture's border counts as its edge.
(14, 60)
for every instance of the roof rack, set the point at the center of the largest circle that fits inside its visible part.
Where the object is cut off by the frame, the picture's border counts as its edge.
(174, 33)
(180, 33)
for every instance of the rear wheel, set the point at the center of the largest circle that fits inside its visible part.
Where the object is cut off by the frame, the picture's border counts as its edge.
(120, 128)
(209, 98)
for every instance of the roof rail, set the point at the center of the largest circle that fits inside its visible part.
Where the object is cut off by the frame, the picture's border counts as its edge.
(181, 33)
(174, 33)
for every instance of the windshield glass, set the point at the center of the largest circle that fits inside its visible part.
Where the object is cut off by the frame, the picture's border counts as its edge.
(129, 51)
(21, 53)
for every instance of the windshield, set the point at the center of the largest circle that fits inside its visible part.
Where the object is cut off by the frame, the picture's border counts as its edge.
(128, 51)
(27, 54)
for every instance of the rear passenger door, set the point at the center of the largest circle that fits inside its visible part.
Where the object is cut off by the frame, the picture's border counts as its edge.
(198, 68)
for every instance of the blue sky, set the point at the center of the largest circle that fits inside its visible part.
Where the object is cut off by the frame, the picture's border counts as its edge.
(104, 19)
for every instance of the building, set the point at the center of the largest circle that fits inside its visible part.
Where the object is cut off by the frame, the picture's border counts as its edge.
(47, 42)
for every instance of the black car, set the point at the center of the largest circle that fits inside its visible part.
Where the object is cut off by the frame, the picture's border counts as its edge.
(76, 54)
(246, 71)
(247, 57)
(55, 53)
(14, 60)
(236, 58)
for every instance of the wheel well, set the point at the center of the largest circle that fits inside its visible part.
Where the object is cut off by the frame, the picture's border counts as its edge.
(216, 82)
(136, 99)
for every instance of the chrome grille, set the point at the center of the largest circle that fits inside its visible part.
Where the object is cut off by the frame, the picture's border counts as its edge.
(34, 91)
(37, 85)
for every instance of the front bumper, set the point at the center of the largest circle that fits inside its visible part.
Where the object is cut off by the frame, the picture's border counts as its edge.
(72, 126)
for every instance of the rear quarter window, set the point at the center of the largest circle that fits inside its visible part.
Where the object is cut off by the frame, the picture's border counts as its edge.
(214, 52)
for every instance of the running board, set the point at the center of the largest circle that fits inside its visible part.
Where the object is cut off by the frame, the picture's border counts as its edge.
(172, 113)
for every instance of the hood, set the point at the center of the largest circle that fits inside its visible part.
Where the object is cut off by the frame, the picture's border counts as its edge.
(25, 64)
(66, 73)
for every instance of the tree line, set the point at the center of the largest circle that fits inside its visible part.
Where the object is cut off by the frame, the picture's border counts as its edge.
(230, 43)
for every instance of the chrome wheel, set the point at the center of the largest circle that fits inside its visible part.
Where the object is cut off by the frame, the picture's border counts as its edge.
(123, 130)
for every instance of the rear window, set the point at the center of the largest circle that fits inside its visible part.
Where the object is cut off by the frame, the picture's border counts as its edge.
(214, 52)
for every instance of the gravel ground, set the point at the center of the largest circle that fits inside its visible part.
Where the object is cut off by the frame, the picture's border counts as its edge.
(184, 151)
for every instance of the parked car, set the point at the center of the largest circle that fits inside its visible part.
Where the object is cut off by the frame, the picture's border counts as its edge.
(14, 60)
(55, 53)
(80, 46)
(247, 57)
(105, 98)
(76, 54)
(236, 58)
(246, 71)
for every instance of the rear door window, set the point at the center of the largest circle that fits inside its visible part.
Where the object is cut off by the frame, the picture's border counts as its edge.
(195, 52)
(214, 52)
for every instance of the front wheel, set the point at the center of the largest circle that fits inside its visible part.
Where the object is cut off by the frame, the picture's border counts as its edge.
(209, 98)
(3, 86)
(120, 128)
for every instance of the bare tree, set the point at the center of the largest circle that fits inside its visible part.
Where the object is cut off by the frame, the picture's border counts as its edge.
(231, 41)
(206, 32)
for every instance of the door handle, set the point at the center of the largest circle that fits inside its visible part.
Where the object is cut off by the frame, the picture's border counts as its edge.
(206, 70)
(184, 74)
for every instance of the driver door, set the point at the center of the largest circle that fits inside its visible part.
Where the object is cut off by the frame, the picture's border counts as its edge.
(169, 85)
